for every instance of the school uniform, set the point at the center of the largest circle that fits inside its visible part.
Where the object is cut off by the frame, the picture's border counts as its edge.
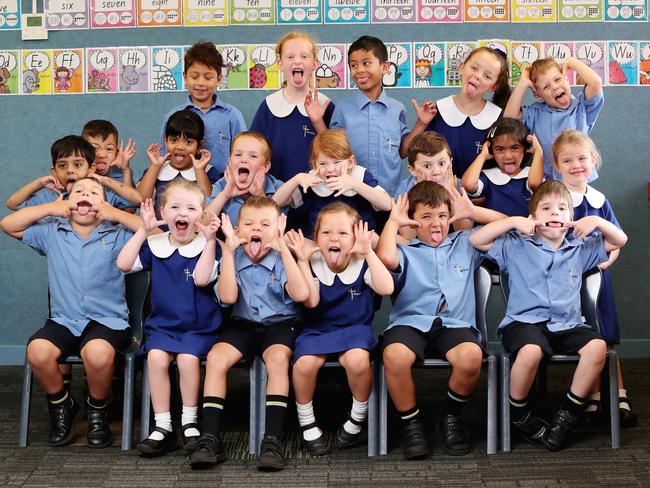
(464, 133)
(289, 131)
(46, 195)
(504, 193)
(342, 320)
(184, 318)
(222, 122)
(375, 130)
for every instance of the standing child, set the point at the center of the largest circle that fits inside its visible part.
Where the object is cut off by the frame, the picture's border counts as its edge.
(545, 264)
(507, 187)
(184, 318)
(88, 310)
(334, 176)
(341, 272)
(576, 157)
(556, 109)
(463, 119)
(261, 280)
(202, 75)
(290, 117)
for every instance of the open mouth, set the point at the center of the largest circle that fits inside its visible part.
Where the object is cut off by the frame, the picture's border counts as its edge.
(69, 184)
(436, 236)
(84, 207)
(509, 168)
(242, 175)
(181, 225)
(101, 167)
(255, 245)
(179, 158)
(298, 75)
(471, 88)
(334, 254)
(555, 224)
(561, 98)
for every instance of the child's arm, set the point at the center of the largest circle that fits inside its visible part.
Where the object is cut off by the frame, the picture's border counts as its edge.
(203, 271)
(382, 281)
(303, 251)
(387, 245)
(230, 191)
(536, 172)
(127, 192)
(131, 249)
(464, 209)
(295, 286)
(473, 173)
(593, 83)
(106, 212)
(199, 170)
(485, 236)
(316, 110)
(16, 223)
(23, 194)
(124, 156)
(613, 256)
(516, 100)
(227, 287)
(283, 196)
(424, 115)
(156, 160)
(614, 237)
(346, 182)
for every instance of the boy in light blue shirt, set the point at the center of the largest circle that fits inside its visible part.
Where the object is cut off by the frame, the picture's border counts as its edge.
(545, 263)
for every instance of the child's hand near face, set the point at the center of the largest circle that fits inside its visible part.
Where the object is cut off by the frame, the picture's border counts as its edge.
(148, 216)
(155, 158)
(342, 184)
(362, 239)
(315, 110)
(461, 204)
(524, 79)
(61, 207)
(232, 241)
(525, 225)
(124, 155)
(306, 181)
(584, 226)
(277, 244)
(535, 146)
(200, 164)
(426, 112)
(210, 229)
(399, 213)
(302, 248)
(257, 185)
(52, 183)
(231, 189)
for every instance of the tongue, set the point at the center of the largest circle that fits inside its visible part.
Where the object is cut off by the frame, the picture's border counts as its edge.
(83, 209)
(334, 257)
(256, 247)
(242, 176)
(297, 76)
(510, 168)
(470, 89)
(437, 237)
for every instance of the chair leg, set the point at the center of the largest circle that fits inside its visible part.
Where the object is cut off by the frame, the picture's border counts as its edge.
(492, 388)
(382, 404)
(25, 403)
(129, 392)
(614, 415)
(373, 445)
(145, 411)
(257, 403)
(505, 402)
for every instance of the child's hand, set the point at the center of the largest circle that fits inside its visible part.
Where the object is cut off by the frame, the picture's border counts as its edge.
(257, 185)
(569, 64)
(306, 181)
(302, 248)
(485, 151)
(342, 184)
(524, 79)
(362, 239)
(277, 244)
(535, 146)
(525, 225)
(315, 110)
(52, 183)
(399, 212)
(210, 229)
(461, 204)
(426, 112)
(105, 212)
(231, 190)
(97, 177)
(155, 158)
(200, 164)
(232, 242)
(124, 155)
(584, 226)
(148, 216)
(61, 207)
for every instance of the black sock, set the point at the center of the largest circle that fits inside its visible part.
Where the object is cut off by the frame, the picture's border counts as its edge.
(455, 403)
(67, 380)
(212, 412)
(58, 398)
(411, 414)
(574, 403)
(518, 408)
(96, 404)
(276, 409)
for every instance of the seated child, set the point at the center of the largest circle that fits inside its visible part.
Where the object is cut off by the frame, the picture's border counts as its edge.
(246, 175)
(334, 177)
(110, 160)
(507, 187)
(433, 308)
(184, 318)
(545, 262)
(261, 280)
(341, 272)
(88, 309)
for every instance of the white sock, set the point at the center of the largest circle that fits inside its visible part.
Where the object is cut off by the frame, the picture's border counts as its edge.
(190, 415)
(305, 417)
(164, 421)
(593, 407)
(622, 399)
(359, 413)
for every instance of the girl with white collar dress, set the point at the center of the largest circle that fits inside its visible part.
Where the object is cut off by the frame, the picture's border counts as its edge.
(290, 117)
(341, 272)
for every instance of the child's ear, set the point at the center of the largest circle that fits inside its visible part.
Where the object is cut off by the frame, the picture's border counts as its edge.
(411, 169)
(385, 67)
(266, 167)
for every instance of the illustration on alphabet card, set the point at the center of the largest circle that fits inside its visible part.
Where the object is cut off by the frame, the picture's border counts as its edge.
(9, 72)
(263, 70)
(101, 70)
(133, 69)
(234, 73)
(331, 71)
(623, 62)
(36, 76)
(68, 71)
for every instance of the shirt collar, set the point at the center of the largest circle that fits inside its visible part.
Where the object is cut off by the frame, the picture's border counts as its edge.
(216, 103)
(100, 228)
(595, 198)
(498, 177)
(326, 276)
(168, 172)
(547, 108)
(279, 106)
(452, 115)
(569, 241)
(244, 261)
(322, 191)
(161, 247)
(362, 99)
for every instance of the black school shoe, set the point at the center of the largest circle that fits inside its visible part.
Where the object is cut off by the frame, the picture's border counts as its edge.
(455, 440)
(345, 440)
(154, 448)
(531, 428)
(414, 441)
(627, 417)
(190, 441)
(271, 454)
(316, 447)
(563, 423)
(63, 418)
(208, 452)
(99, 428)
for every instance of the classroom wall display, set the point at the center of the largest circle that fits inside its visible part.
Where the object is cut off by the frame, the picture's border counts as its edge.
(252, 12)
(299, 11)
(234, 75)
(623, 62)
(110, 14)
(331, 67)
(429, 64)
(487, 10)
(9, 72)
(133, 69)
(159, 13)
(534, 10)
(592, 53)
(36, 72)
(263, 73)
(399, 70)
(66, 14)
(101, 70)
(205, 13)
(392, 11)
(644, 63)
(559, 51)
(580, 10)
(166, 69)
(439, 11)
(626, 10)
(346, 12)
(455, 54)
(522, 55)
(68, 71)
(9, 14)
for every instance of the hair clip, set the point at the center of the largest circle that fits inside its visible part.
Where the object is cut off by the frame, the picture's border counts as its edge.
(490, 134)
(500, 52)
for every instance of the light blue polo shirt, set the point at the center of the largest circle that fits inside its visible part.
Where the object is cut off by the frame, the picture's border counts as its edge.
(222, 123)
(436, 282)
(547, 123)
(85, 283)
(545, 283)
(262, 296)
(375, 130)
(47, 196)
(404, 186)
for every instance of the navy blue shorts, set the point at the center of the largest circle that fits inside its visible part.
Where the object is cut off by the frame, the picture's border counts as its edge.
(520, 334)
(252, 339)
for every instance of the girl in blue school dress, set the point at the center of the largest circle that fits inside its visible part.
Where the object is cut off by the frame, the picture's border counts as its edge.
(507, 187)
(464, 119)
(341, 271)
(576, 156)
(290, 117)
(184, 318)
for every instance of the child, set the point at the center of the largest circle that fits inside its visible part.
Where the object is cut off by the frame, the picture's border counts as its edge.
(545, 264)
(341, 274)
(576, 157)
(556, 109)
(290, 117)
(110, 160)
(87, 305)
(185, 158)
(72, 159)
(184, 319)
(506, 187)
(263, 283)
(463, 119)
(376, 123)
(246, 175)
(433, 308)
(202, 75)
(334, 176)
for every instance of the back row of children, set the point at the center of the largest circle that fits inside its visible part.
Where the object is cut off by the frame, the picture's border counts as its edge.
(186, 331)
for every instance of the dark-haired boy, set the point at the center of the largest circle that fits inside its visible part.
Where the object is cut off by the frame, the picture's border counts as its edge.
(110, 160)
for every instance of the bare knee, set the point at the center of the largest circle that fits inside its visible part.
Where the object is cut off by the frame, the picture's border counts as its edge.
(466, 358)
(98, 355)
(41, 353)
(595, 350)
(217, 361)
(158, 360)
(277, 358)
(307, 366)
(187, 363)
(397, 358)
(356, 361)
(529, 356)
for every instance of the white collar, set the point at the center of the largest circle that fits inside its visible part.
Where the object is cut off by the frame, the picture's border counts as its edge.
(322, 191)
(168, 172)
(498, 177)
(326, 276)
(162, 248)
(279, 106)
(595, 198)
(452, 115)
